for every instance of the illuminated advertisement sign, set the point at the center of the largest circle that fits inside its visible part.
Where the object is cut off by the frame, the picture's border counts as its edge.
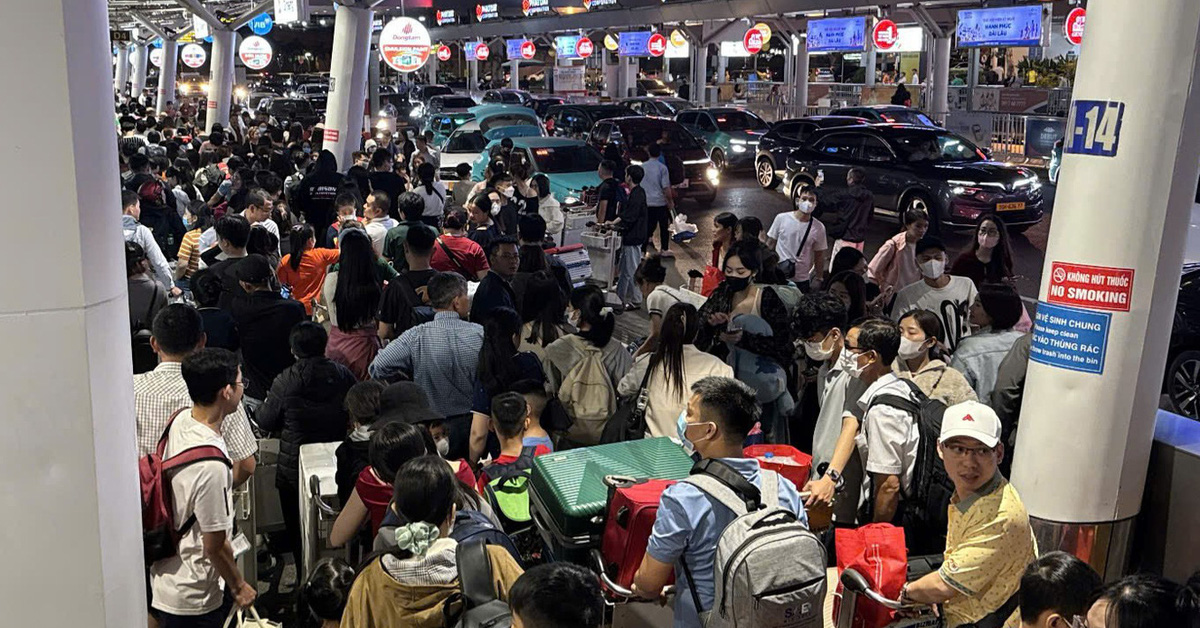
(445, 17)
(535, 7)
(485, 12)
(1006, 26)
(641, 44)
(566, 46)
(404, 44)
(592, 5)
(842, 34)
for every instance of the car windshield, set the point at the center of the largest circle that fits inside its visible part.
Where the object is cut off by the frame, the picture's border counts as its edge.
(286, 107)
(934, 147)
(562, 159)
(906, 116)
(740, 121)
(437, 90)
(457, 102)
(676, 136)
(466, 142)
(671, 107)
(510, 98)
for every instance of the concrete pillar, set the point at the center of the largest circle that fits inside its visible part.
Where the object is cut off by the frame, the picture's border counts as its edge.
(348, 72)
(801, 74)
(722, 64)
(373, 80)
(869, 60)
(140, 58)
(473, 77)
(973, 68)
(939, 82)
(1086, 428)
(700, 70)
(66, 337)
(121, 73)
(627, 69)
(611, 74)
(220, 81)
(432, 67)
(514, 78)
(167, 73)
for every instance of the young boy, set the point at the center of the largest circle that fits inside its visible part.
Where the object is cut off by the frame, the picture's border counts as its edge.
(347, 209)
(536, 400)
(362, 404)
(631, 223)
(510, 419)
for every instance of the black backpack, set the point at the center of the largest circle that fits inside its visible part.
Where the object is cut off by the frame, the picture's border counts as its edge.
(144, 357)
(477, 604)
(417, 300)
(923, 511)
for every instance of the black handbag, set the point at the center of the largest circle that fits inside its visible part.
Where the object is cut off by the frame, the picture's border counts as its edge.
(629, 421)
(480, 607)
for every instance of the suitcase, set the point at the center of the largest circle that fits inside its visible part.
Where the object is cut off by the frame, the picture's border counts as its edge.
(767, 454)
(567, 491)
(632, 508)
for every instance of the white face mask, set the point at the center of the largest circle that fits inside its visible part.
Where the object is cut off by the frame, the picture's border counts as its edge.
(933, 268)
(817, 350)
(853, 368)
(988, 241)
(910, 349)
(509, 192)
(443, 446)
(805, 207)
(845, 360)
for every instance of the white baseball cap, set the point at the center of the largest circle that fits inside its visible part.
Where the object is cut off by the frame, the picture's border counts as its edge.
(973, 420)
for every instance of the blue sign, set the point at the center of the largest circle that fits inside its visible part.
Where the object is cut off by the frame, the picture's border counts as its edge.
(1094, 128)
(634, 44)
(1006, 26)
(157, 43)
(262, 24)
(564, 46)
(1070, 338)
(514, 48)
(841, 34)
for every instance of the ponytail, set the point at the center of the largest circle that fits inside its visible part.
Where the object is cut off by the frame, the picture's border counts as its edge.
(589, 300)
(680, 325)
(425, 172)
(300, 236)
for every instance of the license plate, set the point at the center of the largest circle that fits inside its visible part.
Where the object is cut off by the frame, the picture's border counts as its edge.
(1009, 207)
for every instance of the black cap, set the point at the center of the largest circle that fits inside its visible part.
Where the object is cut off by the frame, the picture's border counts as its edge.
(930, 242)
(253, 269)
(406, 402)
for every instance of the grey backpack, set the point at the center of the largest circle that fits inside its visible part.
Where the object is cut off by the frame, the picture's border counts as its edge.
(769, 570)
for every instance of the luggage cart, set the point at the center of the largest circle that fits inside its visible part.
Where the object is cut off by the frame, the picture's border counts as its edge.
(575, 222)
(854, 586)
(603, 248)
(318, 487)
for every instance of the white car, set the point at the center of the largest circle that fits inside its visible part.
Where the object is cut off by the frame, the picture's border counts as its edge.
(491, 122)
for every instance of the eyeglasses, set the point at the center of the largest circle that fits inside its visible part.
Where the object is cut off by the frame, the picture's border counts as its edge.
(977, 452)
(240, 383)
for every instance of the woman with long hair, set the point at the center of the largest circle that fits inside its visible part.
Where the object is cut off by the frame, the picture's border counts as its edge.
(739, 293)
(922, 360)
(724, 225)
(500, 366)
(543, 313)
(351, 291)
(996, 310)
(673, 367)
(433, 192)
(548, 207)
(989, 258)
(303, 270)
(852, 290)
(409, 585)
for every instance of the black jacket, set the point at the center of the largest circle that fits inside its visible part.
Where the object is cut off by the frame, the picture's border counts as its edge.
(317, 191)
(305, 406)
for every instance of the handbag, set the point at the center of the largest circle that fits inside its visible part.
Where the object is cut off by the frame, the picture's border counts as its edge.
(629, 421)
(877, 551)
(712, 278)
(254, 622)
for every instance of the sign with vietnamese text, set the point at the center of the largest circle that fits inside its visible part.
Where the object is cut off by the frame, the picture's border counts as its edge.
(262, 24)
(445, 16)
(156, 57)
(841, 34)
(1073, 25)
(1070, 338)
(1004, 26)
(885, 35)
(331, 135)
(566, 46)
(484, 12)
(287, 11)
(255, 52)
(476, 50)
(512, 48)
(193, 55)
(1094, 128)
(535, 7)
(404, 44)
(1093, 287)
(634, 44)
(200, 28)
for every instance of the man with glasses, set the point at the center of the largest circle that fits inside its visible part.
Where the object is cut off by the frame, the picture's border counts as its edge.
(988, 540)
(495, 289)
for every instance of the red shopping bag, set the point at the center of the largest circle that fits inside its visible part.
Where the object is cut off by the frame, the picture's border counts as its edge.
(876, 551)
(712, 278)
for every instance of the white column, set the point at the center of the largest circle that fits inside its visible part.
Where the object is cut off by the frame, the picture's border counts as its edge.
(472, 77)
(121, 74)
(140, 58)
(973, 68)
(940, 89)
(68, 487)
(348, 73)
(801, 74)
(373, 80)
(611, 71)
(700, 69)
(514, 79)
(432, 68)
(869, 58)
(1084, 438)
(167, 73)
(220, 82)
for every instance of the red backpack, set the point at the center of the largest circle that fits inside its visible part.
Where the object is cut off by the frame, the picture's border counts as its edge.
(160, 535)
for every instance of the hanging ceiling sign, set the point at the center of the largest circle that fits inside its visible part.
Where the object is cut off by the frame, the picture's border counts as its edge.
(753, 41)
(262, 24)
(677, 38)
(287, 11)
(404, 44)
(612, 43)
(566, 46)
(445, 16)
(193, 55)
(476, 51)
(585, 47)
(592, 5)
(528, 50)
(485, 12)
(766, 32)
(641, 44)
(156, 57)
(255, 52)
(1005, 26)
(885, 35)
(1073, 25)
(200, 27)
(444, 53)
(535, 7)
(512, 48)
(841, 34)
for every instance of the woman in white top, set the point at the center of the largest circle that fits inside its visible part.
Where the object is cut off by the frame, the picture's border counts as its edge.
(673, 367)
(650, 278)
(432, 192)
(549, 208)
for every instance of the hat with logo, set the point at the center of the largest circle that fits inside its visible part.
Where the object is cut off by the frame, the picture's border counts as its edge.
(972, 420)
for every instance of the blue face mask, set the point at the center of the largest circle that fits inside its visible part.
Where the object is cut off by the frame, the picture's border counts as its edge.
(681, 429)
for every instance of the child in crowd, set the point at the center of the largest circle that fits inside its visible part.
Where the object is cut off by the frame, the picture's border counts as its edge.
(325, 593)
(347, 209)
(895, 264)
(510, 419)
(362, 404)
(557, 595)
(536, 401)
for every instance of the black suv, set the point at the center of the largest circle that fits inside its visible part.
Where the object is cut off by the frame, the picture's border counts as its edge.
(888, 114)
(912, 167)
(575, 121)
(786, 136)
(632, 134)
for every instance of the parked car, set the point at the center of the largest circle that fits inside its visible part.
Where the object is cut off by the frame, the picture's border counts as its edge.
(492, 122)
(893, 114)
(666, 106)
(825, 75)
(653, 87)
(542, 104)
(1181, 382)
(439, 104)
(444, 124)
(786, 136)
(508, 97)
(731, 135)
(631, 135)
(575, 121)
(912, 167)
(422, 93)
(285, 109)
(570, 164)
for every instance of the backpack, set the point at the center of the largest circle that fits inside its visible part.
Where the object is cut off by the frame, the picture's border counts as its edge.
(923, 511)
(587, 395)
(144, 357)
(769, 569)
(160, 535)
(422, 310)
(474, 526)
(790, 296)
(507, 491)
(477, 603)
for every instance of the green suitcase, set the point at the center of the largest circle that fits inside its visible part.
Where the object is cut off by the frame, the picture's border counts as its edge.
(568, 494)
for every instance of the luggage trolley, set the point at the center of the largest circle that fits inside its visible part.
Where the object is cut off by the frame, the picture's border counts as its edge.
(855, 585)
(603, 247)
(318, 486)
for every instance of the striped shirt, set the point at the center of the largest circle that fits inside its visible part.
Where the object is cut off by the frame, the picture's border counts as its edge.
(442, 356)
(159, 393)
(189, 249)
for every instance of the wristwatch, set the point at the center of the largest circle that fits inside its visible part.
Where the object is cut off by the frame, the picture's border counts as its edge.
(837, 478)
(904, 598)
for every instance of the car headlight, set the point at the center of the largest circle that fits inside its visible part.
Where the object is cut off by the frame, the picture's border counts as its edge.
(204, 87)
(738, 148)
(713, 174)
(240, 93)
(737, 141)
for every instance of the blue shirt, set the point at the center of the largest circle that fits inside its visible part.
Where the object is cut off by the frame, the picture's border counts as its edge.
(657, 182)
(534, 441)
(442, 356)
(689, 524)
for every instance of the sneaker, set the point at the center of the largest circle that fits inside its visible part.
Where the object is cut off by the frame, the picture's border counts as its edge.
(632, 307)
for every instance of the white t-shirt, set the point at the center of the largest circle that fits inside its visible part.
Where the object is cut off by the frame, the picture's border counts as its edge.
(950, 303)
(788, 231)
(377, 228)
(662, 298)
(434, 203)
(887, 440)
(188, 584)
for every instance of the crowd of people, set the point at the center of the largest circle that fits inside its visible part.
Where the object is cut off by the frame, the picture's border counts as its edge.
(273, 291)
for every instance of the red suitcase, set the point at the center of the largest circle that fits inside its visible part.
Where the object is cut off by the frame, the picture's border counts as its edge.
(632, 508)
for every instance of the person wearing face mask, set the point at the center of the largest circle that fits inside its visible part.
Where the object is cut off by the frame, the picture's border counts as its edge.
(799, 241)
(989, 260)
(947, 296)
(821, 326)
(995, 311)
(504, 203)
(481, 211)
(683, 542)
(895, 263)
(739, 294)
(921, 360)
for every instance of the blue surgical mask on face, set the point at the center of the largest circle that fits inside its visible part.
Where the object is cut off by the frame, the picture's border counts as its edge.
(681, 430)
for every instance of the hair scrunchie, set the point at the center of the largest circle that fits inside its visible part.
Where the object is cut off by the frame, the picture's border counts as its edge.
(416, 537)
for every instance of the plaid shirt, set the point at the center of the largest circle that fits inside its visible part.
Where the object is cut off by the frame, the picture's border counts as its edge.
(159, 393)
(441, 355)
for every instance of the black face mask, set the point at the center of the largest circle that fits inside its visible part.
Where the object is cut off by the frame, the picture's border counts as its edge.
(737, 284)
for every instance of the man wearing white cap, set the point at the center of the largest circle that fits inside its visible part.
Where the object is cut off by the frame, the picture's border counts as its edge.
(988, 540)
